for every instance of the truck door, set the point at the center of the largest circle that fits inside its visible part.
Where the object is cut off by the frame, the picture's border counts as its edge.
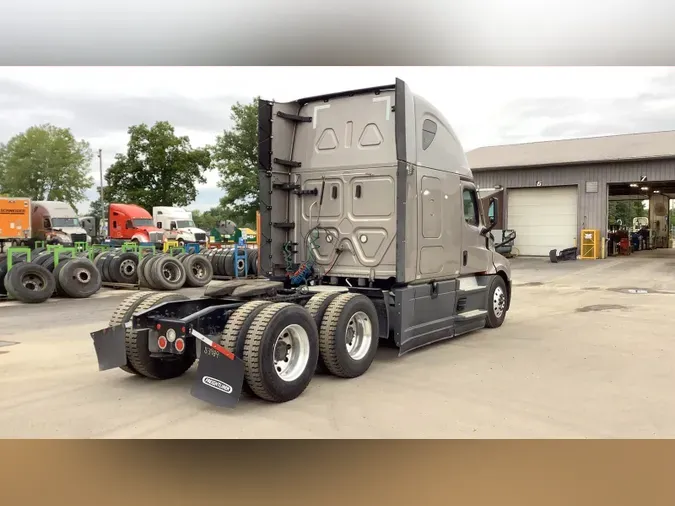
(476, 257)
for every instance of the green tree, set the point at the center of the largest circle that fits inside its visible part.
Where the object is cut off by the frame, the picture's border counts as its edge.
(208, 220)
(95, 205)
(46, 163)
(235, 155)
(158, 169)
(626, 210)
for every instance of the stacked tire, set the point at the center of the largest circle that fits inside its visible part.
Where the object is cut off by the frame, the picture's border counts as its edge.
(44, 276)
(226, 263)
(172, 272)
(117, 266)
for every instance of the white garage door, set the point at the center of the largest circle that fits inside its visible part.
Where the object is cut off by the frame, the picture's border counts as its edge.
(543, 218)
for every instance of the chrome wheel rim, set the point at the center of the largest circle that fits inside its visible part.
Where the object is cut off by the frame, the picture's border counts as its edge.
(291, 352)
(359, 335)
(498, 302)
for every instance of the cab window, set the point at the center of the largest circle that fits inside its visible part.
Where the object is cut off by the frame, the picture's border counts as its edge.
(470, 207)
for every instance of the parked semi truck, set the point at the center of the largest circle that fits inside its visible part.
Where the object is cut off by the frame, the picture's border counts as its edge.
(130, 222)
(57, 223)
(371, 229)
(15, 221)
(178, 225)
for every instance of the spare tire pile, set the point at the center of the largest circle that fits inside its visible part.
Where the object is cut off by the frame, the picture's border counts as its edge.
(157, 271)
(38, 280)
(226, 263)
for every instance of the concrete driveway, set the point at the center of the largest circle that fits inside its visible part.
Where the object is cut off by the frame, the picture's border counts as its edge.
(580, 355)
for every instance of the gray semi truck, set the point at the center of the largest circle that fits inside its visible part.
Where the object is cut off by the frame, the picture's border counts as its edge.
(371, 229)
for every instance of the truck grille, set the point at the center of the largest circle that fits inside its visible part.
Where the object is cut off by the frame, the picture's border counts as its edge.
(156, 236)
(200, 237)
(78, 237)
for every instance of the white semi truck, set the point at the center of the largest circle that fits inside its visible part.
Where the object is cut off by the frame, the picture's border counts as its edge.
(371, 229)
(178, 224)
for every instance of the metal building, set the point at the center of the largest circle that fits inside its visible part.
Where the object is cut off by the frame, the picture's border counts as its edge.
(554, 189)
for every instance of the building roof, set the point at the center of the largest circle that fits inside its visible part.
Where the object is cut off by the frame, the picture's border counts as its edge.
(611, 148)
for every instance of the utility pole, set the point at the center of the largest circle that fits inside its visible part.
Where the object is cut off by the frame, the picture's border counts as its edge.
(100, 167)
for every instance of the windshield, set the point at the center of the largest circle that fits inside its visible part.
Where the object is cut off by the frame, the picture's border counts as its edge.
(185, 223)
(142, 222)
(65, 222)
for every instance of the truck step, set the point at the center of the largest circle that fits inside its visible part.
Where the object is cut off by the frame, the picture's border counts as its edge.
(471, 315)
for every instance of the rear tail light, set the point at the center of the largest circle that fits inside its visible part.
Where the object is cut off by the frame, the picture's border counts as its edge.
(180, 345)
(161, 342)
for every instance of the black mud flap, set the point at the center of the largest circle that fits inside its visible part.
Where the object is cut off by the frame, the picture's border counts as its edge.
(110, 347)
(219, 378)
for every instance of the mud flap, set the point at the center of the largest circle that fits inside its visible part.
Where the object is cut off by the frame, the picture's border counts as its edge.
(110, 347)
(219, 378)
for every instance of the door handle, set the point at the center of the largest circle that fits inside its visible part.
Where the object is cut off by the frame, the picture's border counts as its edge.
(465, 257)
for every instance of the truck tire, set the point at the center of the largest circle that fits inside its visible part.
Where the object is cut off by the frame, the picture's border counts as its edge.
(49, 262)
(140, 269)
(280, 352)
(317, 306)
(198, 270)
(106, 270)
(124, 267)
(59, 291)
(253, 262)
(98, 259)
(123, 314)
(233, 336)
(31, 283)
(221, 261)
(79, 278)
(42, 257)
(147, 271)
(496, 303)
(168, 273)
(139, 354)
(3, 271)
(349, 335)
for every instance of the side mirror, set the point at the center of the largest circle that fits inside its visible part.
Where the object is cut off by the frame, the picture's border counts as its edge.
(492, 215)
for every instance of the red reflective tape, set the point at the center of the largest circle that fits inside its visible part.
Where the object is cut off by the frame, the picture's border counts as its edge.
(222, 350)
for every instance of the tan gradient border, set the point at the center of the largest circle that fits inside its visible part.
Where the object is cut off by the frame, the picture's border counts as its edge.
(279, 473)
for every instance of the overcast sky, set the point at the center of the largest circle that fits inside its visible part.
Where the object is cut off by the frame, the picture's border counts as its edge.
(486, 106)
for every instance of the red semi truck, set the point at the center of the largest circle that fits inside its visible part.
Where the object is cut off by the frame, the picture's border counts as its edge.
(130, 222)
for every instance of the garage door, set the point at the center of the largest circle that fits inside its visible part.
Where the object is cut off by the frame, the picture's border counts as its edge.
(543, 218)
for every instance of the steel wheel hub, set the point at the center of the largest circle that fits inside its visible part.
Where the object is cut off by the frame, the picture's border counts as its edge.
(359, 335)
(32, 282)
(291, 352)
(82, 275)
(128, 267)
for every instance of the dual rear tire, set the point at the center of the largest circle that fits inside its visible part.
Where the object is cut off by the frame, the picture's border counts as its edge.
(282, 344)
